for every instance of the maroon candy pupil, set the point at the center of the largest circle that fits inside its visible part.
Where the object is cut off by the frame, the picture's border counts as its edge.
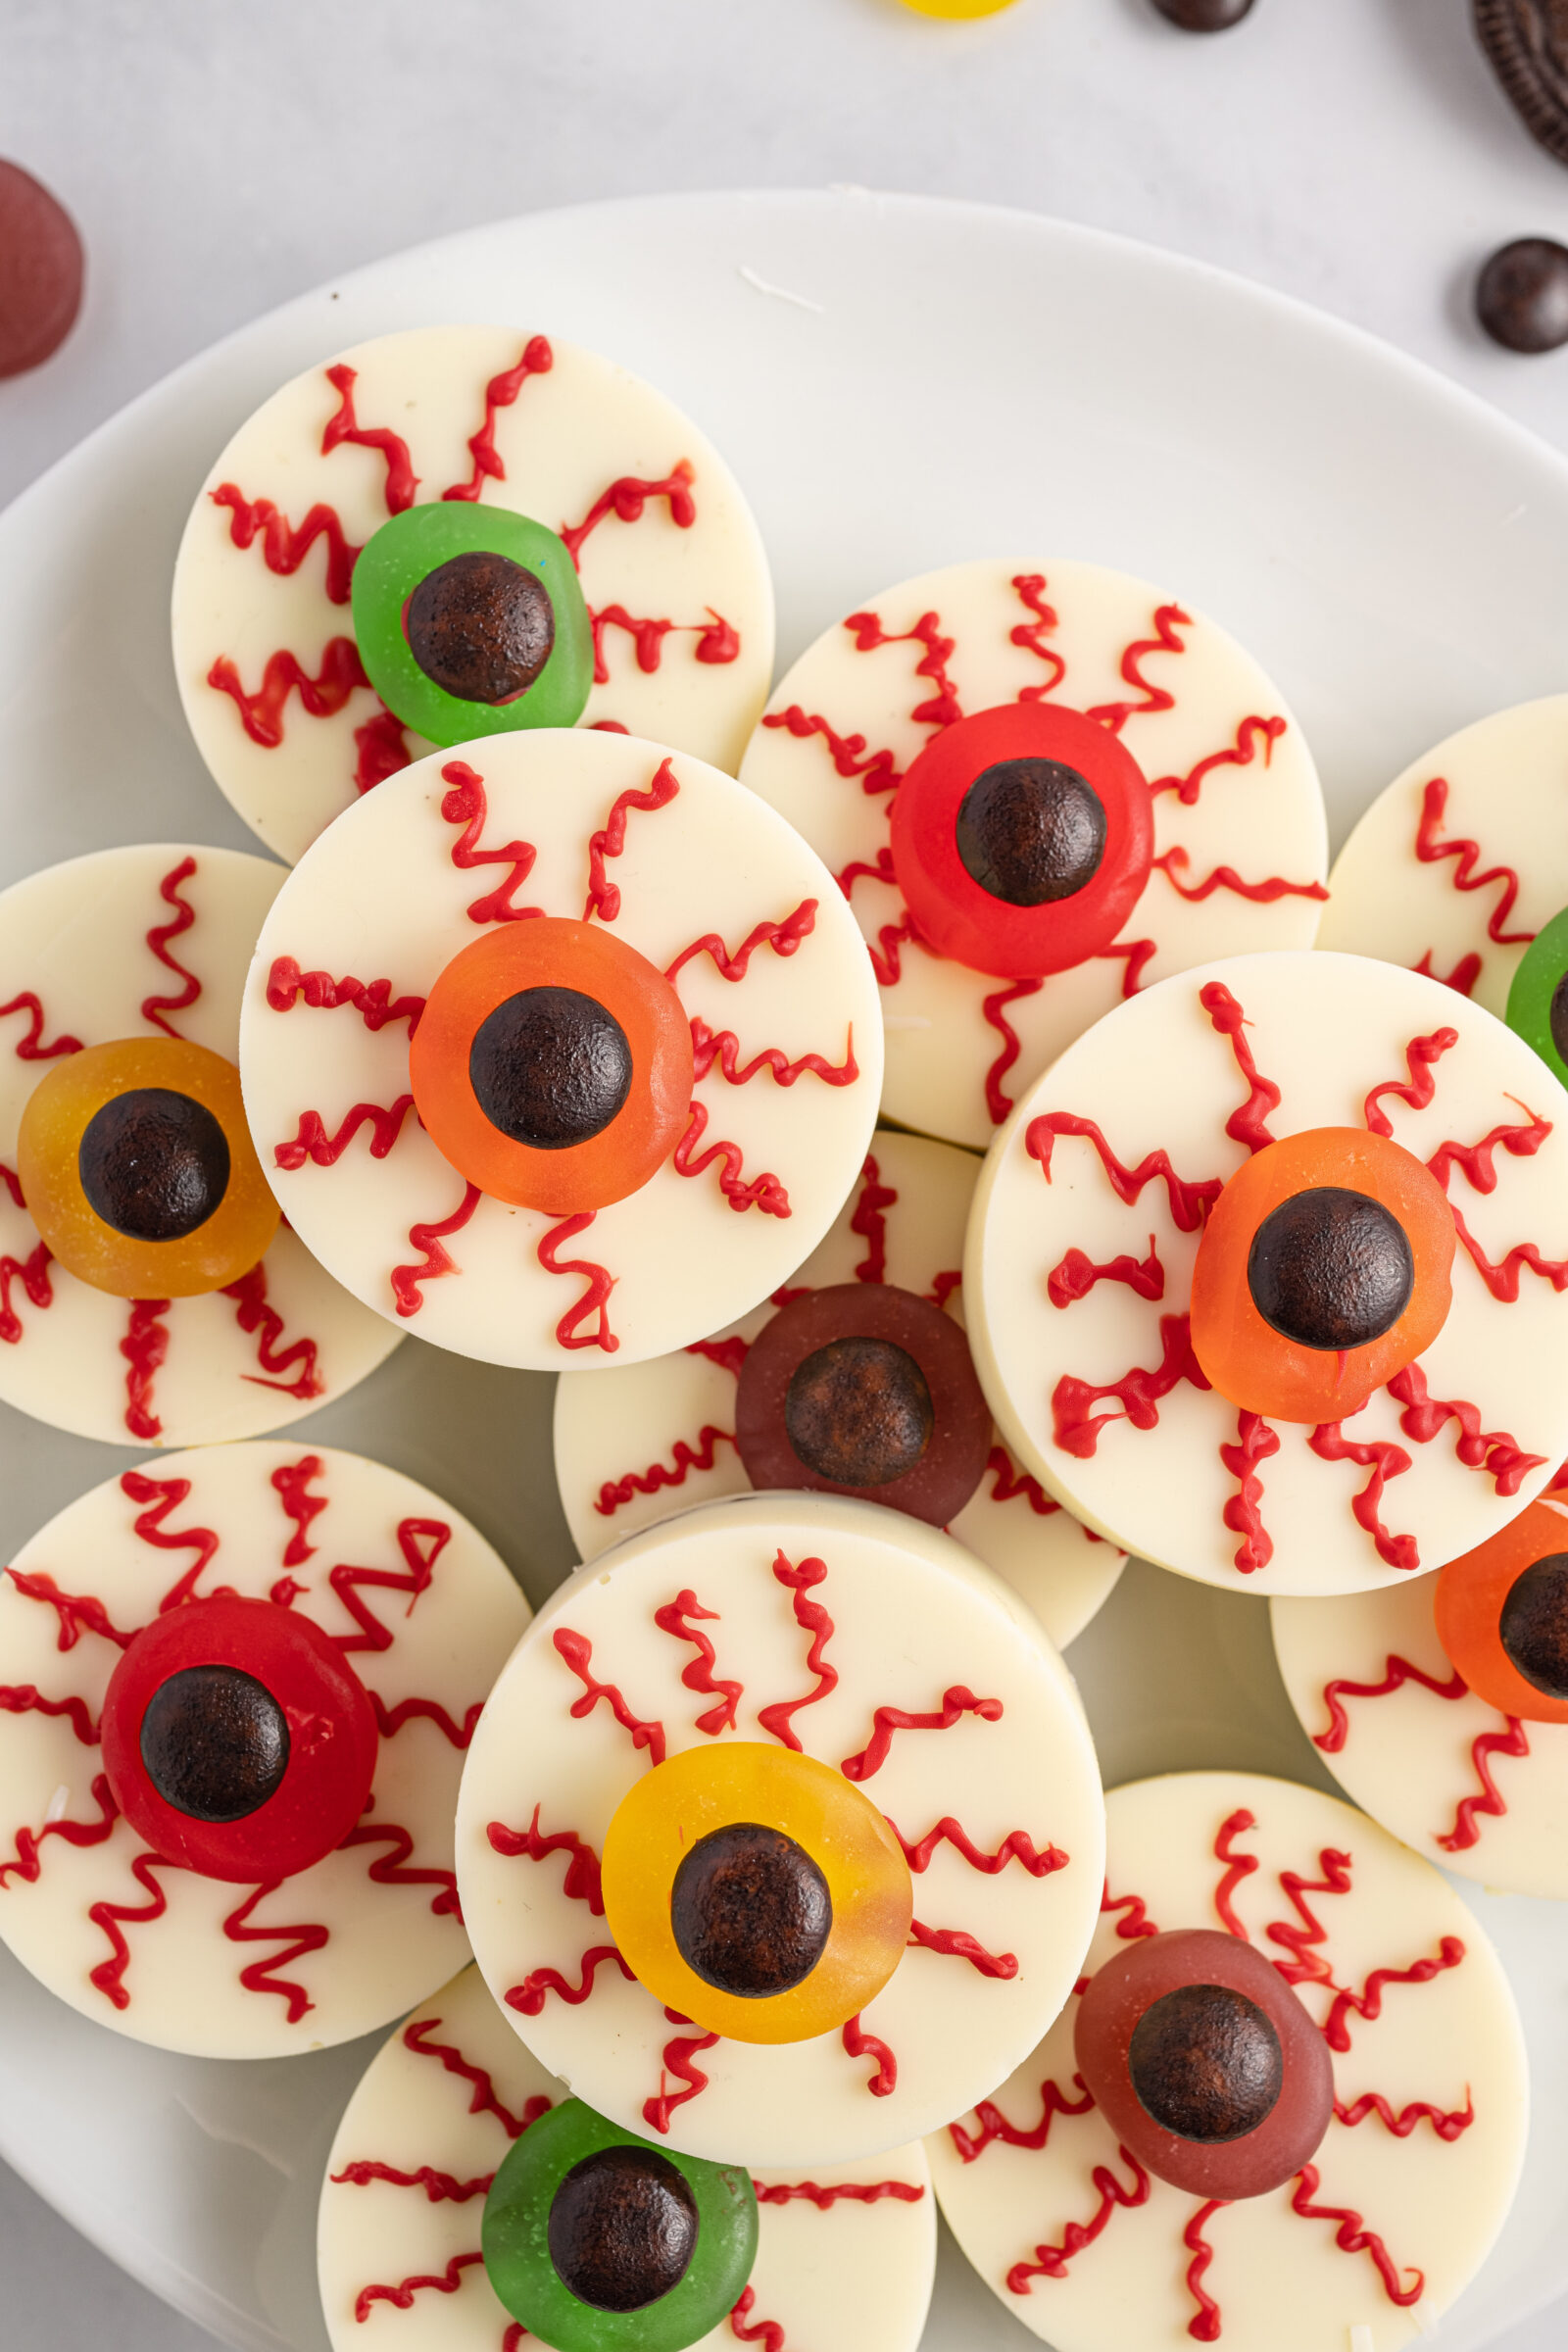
(215, 1743)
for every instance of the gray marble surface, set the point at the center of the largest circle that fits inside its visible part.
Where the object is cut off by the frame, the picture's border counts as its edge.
(220, 157)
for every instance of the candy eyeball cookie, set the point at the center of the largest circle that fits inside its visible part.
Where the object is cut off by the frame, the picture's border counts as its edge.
(148, 1293)
(1442, 1705)
(453, 532)
(1267, 1278)
(564, 1051)
(471, 2202)
(235, 1702)
(780, 1836)
(854, 1377)
(1040, 788)
(1286, 2109)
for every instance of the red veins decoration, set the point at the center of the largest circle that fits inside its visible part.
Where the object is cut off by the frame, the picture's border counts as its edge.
(153, 1008)
(392, 1869)
(435, 1258)
(599, 1283)
(441, 2188)
(677, 2058)
(616, 1492)
(157, 1496)
(679, 1618)
(402, 483)
(626, 498)
(869, 1222)
(957, 1703)
(380, 750)
(763, 1191)
(77, 1612)
(1502, 1281)
(26, 1698)
(33, 1272)
(1134, 954)
(400, 2296)
(1354, 2238)
(799, 1580)
(341, 675)
(1051, 2262)
(1479, 1160)
(1206, 2325)
(722, 1046)
(1511, 1741)
(530, 1997)
(784, 938)
(727, 1354)
(610, 841)
(499, 393)
(576, 1652)
(858, 2043)
(466, 803)
(1076, 1276)
(1243, 1514)
(954, 1944)
(371, 1000)
(1008, 1482)
(1134, 1920)
(766, 2332)
(144, 1348)
(1464, 977)
(886, 954)
(259, 1975)
(1397, 1673)
(1368, 2002)
(1168, 620)
(28, 1863)
(1029, 588)
(1190, 1203)
(1249, 1125)
(1237, 1868)
(256, 1318)
(1418, 1089)
(31, 1048)
(285, 544)
(111, 1918)
(421, 1541)
(416, 2038)
(12, 1184)
(944, 1286)
(581, 1883)
(1253, 734)
(389, 1721)
(994, 2125)
(291, 1483)
(1018, 1846)
(1225, 877)
(717, 640)
(1384, 1460)
(1432, 849)
(855, 2192)
(943, 707)
(998, 1102)
(1447, 2125)
(1308, 1966)
(878, 771)
(1491, 1450)
(1139, 1393)
(311, 1141)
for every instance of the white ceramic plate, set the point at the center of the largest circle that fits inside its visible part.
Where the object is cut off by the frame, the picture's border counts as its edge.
(898, 384)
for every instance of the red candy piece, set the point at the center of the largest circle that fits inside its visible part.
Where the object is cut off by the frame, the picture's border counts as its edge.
(40, 272)
(1259, 2160)
(332, 1728)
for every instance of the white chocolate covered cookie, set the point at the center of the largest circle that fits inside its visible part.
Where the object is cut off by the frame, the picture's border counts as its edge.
(1364, 2247)
(679, 603)
(1230, 848)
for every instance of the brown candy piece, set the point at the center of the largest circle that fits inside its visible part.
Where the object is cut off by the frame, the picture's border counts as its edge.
(859, 1411)
(1203, 16)
(1526, 42)
(1031, 831)
(622, 2229)
(1533, 1626)
(1522, 295)
(750, 1911)
(1330, 1268)
(550, 1067)
(40, 272)
(154, 1164)
(1206, 2062)
(215, 1743)
(481, 626)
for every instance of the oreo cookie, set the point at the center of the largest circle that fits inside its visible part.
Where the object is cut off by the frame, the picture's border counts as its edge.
(1526, 42)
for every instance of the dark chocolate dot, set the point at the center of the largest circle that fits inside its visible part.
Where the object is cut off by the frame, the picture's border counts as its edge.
(550, 1067)
(40, 272)
(1031, 831)
(623, 2227)
(215, 1743)
(1206, 2063)
(154, 1164)
(1558, 1018)
(1522, 295)
(1330, 1268)
(750, 1910)
(1203, 16)
(481, 626)
(859, 1411)
(1534, 1623)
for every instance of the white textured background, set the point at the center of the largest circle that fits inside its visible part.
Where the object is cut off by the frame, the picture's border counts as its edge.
(221, 154)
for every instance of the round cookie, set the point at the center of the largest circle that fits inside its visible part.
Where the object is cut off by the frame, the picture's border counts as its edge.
(150, 942)
(405, 1593)
(1238, 849)
(1372, 2240)
(779, 1611)
(633, 1446)
(1110, 1172)
(843, 2257)
(679, 603)
(722, 916)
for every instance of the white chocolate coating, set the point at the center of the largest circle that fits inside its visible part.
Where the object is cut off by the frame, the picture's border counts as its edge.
(571, 434)
(1505, 778)
(915, 1622)
(77, 938)
(1158, 1075)
(1257, 811)
(853, 2276)
(1279, 2277)
(384, 1946)
(617, 1432)
(380, 897)
(1470, 1788)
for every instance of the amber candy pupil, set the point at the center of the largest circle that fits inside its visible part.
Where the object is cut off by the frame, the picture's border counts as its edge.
(154, 1164)
(1534, 1623)
(1206, 2063)
(480, 626)
(215, 1743)
(750, 1911)
(622, 2229)
(550, 1067)
(859, 1411)
(1330, 1268)
(1030, 831)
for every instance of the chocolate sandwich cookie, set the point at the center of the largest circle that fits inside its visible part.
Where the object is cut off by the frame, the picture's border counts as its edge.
(1526, 42)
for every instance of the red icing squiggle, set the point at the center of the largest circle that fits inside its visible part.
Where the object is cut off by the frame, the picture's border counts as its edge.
(1432, 849)
(626, 498)
(1051, 2262)
(616, 1492)
(1009, 1483)
(1139, 1393)
(1237, 1868)
(954, 1944)
(400, 2296)
(575, 1653)
(12, 1184)
(1491, 1450)
(1205, 2325)
(285, 544)
(393, 1869)
(1502, 1281)
(500, 392)
(530, 1997)
(1190, 1203)
(371, 1000)
(610, 841)
(435, 1258)
(311, 1141)
(994, 2125)
(1464, 977)
(380, 750)
(1368, 2002)
(598, 1282)
(1077, 1275)
(679, 1618)
(26, 1698)
(799, 1579)
(998, 1102)
(784, 938)
(342, 425)
(33, 1272)
(145, 1347)
(722, 1048)
(1308, 1966)
(677, 2058)
(153, 1008)
(1249, 1125)
(28, 1862)
(291, 1483)
(256, 1317)
(878, 771)
(258, 1976)
(869, 1222)
(729, 1355)
(957, 1703)
(1018, 1846)
(31, 1048)
(1243, 1514)
(1512, 1740)
(416, 2038)
(440, 2189)
(766, 2332)
(1397, 1673)
(1418, 1089)
(1225, 877)
(1447, 2125)
(156, 1498)
(1134, 1920)
(582, 1881)
(854, 2193)
(466, 803)
(1030, 589)
(717, 640)
(858, 2043)
(765, 1191)
(389, 1721)
(421, 1541)
(1354, 2238)
(942, 706)
(1479, 1163)
(1250, 735)
(76, 1612)
(1135, 953)
(1168, 618)
(111, 1918)
(341, 675)
(1384, 1460)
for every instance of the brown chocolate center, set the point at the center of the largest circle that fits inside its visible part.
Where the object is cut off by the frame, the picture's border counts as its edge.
(1330, 1268)
(153, 1164)
(859, 1411)
(1558, 1016)
(1534, 1623)
(750, 1911)
(1205, 2063)
(481, 626)
(622, 2229)
(1030, 831)
(215, 1743)
(1203, 16)
(550, 1067)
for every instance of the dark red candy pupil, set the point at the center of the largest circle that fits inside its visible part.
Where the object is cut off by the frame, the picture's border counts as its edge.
(154, 1164)
(1206, 2063)
(1330, 1268)
(1203, 16)
(622, 2229)
(1031, 831)
(550, 1067)
(1533, 1625)
(750, 1911)
(481, 626)
(215, 1743)
(859, 1411)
